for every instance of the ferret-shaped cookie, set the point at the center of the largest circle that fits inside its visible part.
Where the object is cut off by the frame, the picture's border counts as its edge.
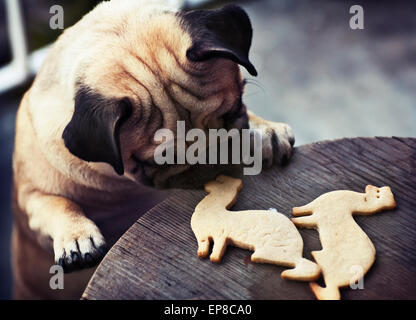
(345, 246)
(271, 235)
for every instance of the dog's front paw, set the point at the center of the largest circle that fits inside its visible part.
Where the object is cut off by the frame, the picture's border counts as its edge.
(278, 141)
(78, 247)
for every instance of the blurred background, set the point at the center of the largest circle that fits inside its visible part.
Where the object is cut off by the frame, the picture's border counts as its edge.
(315, 73)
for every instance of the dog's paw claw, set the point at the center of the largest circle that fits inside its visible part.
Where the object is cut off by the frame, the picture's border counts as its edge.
(88, 259)
(75, 257)
(79, 252)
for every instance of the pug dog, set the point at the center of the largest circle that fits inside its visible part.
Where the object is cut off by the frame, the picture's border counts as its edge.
(84, 147)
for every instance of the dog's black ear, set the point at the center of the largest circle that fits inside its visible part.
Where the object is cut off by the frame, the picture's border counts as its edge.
(224, 33)
(93, 132)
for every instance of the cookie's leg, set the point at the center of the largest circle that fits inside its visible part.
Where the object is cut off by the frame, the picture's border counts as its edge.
(305, 270)
(301, 211)
(331, 291)
(327, 293)
(305, 222)
(203, 247)
(261, 256)
(220, 243)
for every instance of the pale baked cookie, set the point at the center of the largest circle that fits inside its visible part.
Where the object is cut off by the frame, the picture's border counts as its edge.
(271, 235)
(345, 246)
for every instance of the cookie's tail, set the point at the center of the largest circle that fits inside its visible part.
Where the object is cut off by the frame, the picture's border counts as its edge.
(305, 270)
(327, 293)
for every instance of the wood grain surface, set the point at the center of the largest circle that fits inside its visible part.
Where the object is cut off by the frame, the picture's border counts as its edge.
(157, 257)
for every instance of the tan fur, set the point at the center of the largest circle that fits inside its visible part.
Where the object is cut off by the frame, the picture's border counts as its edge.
(120, 49)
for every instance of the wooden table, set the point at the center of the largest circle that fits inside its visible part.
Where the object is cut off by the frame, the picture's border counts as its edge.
(156, 258)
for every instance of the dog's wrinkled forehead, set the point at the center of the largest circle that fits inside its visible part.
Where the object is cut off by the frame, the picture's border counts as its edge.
(166, 40)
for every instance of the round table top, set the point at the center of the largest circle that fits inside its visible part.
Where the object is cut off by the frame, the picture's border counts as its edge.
(157, 257)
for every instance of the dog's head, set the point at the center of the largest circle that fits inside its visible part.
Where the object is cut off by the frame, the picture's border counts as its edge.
(141, 75)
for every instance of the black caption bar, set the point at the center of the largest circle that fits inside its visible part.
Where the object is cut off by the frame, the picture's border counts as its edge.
(199, 309)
